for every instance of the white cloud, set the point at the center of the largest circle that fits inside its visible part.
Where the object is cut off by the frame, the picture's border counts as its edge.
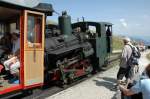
(138, 24)
(146, 16)
(123, 22)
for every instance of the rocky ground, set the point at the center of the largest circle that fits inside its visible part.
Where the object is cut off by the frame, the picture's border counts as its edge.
(97, 87)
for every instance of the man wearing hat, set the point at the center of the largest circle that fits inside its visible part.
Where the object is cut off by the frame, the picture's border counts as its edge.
(13, 63)
(15, 41)
(124, 69)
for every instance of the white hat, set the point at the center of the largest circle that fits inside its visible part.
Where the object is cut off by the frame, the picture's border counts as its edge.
(127, 39)
(16, 31)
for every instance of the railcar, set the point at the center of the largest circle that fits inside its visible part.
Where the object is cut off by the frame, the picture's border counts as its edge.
(50, 53)
(28, 16)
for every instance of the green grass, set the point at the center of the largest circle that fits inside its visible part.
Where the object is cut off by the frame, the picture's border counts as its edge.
(117, 43)
(51, 22)
(148, 56)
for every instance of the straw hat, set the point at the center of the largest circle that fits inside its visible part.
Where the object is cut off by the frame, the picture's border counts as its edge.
(127, 39)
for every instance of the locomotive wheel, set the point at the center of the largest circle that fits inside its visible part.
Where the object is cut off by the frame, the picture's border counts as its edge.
(90, 69)
(70, 81)
(71, 78)
(65, 81)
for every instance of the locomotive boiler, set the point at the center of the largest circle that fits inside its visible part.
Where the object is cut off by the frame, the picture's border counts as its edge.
(67, 55)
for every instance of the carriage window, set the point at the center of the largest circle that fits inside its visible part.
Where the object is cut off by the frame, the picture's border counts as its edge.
(12, 27)
(34, 31)
(91, 31)
(2, 29)
(108, 30)
(108, 38)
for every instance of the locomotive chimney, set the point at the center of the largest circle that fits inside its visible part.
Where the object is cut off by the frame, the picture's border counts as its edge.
(65, 23)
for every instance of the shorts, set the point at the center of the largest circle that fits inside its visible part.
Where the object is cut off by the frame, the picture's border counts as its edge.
(123, 72)
(133, 71)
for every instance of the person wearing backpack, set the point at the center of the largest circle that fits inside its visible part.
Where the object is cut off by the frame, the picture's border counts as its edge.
(127, 61)
(133, 62)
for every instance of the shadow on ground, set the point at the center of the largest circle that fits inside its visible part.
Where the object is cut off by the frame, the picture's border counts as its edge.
(107, 82)
(108, 79)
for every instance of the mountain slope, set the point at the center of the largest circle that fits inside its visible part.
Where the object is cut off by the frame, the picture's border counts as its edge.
(117, 43)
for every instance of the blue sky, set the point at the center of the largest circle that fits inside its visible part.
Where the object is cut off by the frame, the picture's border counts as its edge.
(130, 17)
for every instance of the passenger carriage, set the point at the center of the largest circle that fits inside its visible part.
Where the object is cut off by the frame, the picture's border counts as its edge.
(29, 17)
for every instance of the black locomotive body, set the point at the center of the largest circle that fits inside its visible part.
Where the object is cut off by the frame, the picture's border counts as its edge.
(72, 51)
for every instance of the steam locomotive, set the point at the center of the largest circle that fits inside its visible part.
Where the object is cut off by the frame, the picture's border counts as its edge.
(76, 50)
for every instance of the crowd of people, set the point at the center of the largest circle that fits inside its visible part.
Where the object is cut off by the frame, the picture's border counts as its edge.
(10, 55)
(128, 69)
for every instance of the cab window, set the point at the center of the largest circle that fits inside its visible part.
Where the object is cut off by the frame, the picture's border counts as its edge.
(34, 31)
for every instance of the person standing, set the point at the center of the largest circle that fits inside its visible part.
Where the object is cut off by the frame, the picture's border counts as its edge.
(124, 70)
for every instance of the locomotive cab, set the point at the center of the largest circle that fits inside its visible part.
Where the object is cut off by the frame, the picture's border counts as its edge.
(29, 19)
(99, 34)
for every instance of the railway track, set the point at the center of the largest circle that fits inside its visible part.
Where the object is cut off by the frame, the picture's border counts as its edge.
(41, 93)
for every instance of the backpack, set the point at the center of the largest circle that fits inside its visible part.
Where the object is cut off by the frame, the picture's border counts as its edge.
(135, 55)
